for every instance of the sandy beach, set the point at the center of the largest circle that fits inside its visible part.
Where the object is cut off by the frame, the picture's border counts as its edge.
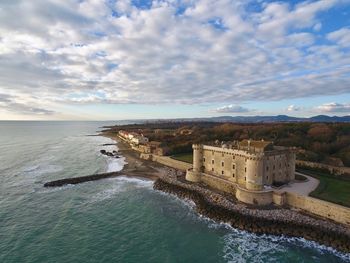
(137, 167)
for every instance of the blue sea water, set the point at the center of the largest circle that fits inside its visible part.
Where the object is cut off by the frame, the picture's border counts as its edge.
(112, 220)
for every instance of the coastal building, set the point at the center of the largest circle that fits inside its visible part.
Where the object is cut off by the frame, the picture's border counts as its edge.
(247, 169)
(123, 134)
(139, 139)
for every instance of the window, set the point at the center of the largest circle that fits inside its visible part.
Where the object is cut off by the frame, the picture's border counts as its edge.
(267, 168)
(203, 160)
(280, 165)
(222, 164)
(245, 169)
(212, 169)
(267, 177)
(274, 167)
(212, 161)
(233, 157)
(233, 175)
(245, 178)
(222, 172)
(233, 166)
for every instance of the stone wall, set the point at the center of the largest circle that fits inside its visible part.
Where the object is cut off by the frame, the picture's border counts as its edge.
(332, 169)
(319, 207)
(218, 183)
(312, 205)
(165, 160)
(254, 198)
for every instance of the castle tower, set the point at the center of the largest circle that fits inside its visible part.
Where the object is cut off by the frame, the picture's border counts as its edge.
(254, 174)
(291, 161)
(195, 174)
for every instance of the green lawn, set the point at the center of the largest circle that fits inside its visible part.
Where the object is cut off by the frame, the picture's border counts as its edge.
(184, 157)
(331, 188)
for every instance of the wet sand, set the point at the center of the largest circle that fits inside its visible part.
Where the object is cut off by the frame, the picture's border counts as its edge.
(136, 167)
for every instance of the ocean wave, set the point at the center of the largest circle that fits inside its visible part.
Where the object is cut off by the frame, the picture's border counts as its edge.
(115, 165)
(138, 182)
(119, 185)
(244, 246)
(42, 190)
(41, 169)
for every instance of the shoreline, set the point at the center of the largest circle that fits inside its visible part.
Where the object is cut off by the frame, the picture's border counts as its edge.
(215, 205)
(135, 166)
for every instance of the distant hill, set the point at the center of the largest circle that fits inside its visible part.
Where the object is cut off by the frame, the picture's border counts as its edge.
(269, 119)
(246, 119)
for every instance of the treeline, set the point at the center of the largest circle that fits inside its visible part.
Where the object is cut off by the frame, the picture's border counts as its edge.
(318, 142)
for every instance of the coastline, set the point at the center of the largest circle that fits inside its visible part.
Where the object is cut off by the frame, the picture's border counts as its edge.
(135, 166)
(220, 208)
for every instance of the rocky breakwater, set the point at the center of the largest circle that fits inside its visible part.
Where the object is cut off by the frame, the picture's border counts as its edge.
(114, 153)
(81, 179)
(271, 220)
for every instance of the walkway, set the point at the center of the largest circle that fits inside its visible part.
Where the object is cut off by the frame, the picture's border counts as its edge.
(302, 188)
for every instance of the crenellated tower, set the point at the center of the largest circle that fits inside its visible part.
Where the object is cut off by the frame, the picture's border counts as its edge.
(195, 174)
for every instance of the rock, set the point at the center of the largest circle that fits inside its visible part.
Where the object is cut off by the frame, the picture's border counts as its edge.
(280, 221)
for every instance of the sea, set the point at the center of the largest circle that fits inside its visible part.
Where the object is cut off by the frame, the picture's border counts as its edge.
(112, 220)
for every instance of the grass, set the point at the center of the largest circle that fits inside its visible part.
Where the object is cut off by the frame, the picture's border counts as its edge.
(331, 189)
(184, 157)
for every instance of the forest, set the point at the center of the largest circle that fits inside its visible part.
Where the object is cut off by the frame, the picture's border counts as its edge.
(317, 142)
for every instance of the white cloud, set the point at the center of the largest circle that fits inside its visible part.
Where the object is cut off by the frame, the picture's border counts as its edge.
(100, 52)
(341, 36)
(293, 108)
(317, 26)
(334, 107)
(232, 109)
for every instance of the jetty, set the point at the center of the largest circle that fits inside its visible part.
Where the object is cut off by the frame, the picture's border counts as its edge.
(81, 179)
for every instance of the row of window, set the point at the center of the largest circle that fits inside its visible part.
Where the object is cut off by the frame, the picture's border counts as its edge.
(234, 166)
(223, 172)
(223, 155)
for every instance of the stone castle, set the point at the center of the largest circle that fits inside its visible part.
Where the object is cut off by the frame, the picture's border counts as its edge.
(248, 169)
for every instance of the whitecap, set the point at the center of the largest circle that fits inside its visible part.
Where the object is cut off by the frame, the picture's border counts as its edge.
(119, 185)
(42, 169)
(115, 165)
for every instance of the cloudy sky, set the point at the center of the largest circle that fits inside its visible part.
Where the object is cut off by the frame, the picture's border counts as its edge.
(122, 59)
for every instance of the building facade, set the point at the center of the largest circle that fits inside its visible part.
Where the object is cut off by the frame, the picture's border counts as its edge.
(248, 165)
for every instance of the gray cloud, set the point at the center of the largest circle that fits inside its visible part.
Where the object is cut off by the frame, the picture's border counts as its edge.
(8, 103)
(334, 107)
(81, 52)
(293, 108)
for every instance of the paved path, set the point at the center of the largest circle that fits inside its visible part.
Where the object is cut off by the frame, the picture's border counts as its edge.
(302, 188)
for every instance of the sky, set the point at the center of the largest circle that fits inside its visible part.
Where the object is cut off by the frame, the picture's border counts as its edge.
(122, 59)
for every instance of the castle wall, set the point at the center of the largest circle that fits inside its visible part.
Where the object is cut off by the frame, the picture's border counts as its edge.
(254, 174)
(278, 168)
(218, 183)
(319, 207)
(249, 170)
(165, 160)
(254, 197)
(195, 174)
